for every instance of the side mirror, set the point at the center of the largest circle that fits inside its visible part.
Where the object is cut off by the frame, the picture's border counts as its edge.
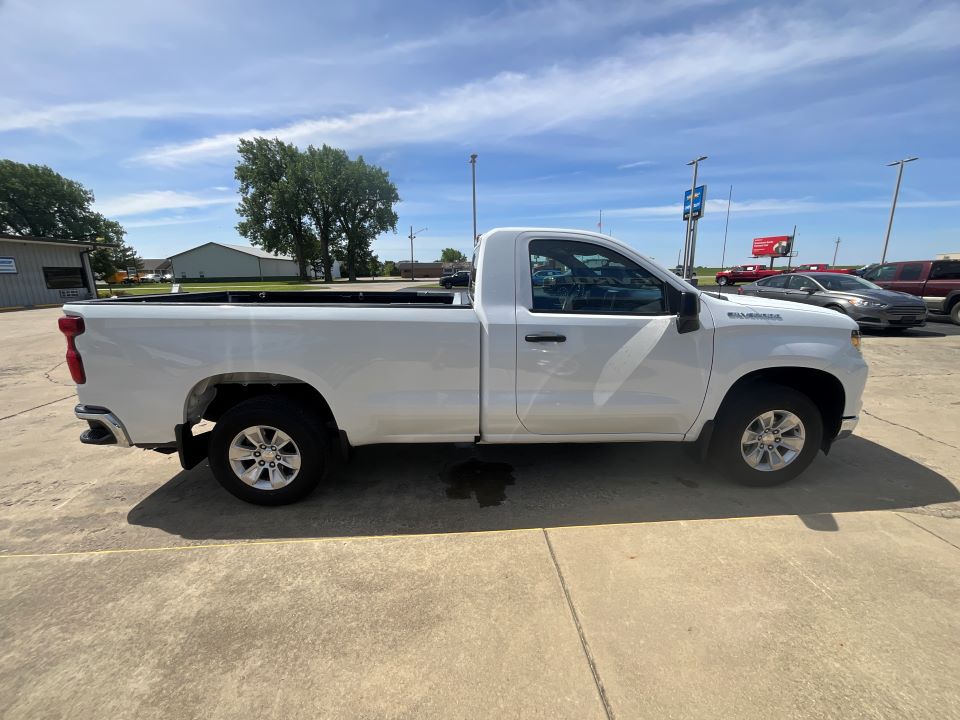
(688, 316)
(811, 291)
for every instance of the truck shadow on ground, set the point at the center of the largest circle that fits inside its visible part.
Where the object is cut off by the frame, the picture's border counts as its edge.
(410, 489)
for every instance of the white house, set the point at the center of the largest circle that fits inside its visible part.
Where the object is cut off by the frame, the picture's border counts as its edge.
(224, 262)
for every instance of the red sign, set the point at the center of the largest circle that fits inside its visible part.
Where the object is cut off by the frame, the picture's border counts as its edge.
(776, 246)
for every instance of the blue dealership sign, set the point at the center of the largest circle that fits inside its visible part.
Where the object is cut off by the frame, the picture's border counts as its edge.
(698, 202)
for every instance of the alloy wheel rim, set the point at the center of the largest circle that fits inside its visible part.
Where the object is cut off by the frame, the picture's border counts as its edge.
(264, 457)
(772, 440)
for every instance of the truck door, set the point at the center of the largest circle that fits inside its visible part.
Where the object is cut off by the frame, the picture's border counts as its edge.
(598, 349)
(910, 278)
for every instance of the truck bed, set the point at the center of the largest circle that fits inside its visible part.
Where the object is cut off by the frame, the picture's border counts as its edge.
(320, 297)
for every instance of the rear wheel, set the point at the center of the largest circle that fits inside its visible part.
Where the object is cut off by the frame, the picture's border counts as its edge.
(766, 434)
(955, 313)
(722, 281)
(268, 450)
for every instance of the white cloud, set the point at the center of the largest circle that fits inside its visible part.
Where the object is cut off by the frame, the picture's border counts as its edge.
(766, 207)
(154, 200)
(638, 163)
(656, 75)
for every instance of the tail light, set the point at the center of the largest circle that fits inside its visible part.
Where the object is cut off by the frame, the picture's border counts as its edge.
(71, 327)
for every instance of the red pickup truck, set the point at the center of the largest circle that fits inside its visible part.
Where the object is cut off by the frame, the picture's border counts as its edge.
(936, 281)
(744, 273)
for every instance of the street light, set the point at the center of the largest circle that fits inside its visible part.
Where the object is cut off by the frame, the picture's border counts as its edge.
(413, 235)
(473, 174)
(893, 206)
(687, 249)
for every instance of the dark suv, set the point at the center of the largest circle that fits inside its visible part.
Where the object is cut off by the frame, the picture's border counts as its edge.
(937, 282)
(461, 278)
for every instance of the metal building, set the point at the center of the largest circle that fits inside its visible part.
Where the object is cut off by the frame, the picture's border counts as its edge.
(37, 271)
(219, 261)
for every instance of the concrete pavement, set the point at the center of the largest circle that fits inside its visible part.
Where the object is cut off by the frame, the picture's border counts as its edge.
(609, 581)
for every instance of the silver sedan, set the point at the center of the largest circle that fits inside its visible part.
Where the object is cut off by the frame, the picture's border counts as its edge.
(870, 305)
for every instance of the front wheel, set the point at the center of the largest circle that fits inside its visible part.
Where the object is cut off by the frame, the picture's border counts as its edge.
(268, 450)
(722, 281)
(766, 434)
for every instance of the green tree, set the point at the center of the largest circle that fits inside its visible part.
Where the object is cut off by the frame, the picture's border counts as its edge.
(324, 168)
(451, 255)
(35, 200)
(275, 200)
(390, 268)
(112, 253)
(366, 209)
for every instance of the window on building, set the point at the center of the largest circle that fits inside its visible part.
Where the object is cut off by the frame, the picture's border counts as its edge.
(64, 278)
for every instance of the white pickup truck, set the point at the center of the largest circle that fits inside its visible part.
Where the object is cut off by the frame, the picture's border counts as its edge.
(608, 346)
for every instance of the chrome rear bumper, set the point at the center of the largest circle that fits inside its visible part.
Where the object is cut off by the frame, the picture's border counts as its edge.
(847, 426)
(105, 427)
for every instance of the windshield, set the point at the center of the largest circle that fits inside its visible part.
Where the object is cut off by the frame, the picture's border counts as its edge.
(847, 283)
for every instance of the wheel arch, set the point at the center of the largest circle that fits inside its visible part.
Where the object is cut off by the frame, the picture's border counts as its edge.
(824, 390)
(209, 398)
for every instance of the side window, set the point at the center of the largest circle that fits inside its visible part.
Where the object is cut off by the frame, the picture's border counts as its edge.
(777, 281)
(945, 270)
(589, 278)
(884, 272)
(799, 282)
(911, 271)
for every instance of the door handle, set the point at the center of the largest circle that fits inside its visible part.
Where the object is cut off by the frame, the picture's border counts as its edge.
(545, 337)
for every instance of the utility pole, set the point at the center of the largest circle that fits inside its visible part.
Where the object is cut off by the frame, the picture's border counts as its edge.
(600, 224)
(893, 205)
(473, 173)
(836, 247)
(726, 227)
(413, 236)
(688, 239)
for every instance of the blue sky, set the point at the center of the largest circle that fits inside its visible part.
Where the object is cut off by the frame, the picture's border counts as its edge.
(572, 107)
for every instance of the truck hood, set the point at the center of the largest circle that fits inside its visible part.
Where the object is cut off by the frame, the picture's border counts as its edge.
(749, 308)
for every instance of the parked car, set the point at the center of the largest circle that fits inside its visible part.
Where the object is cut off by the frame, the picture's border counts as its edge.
(130, 280)
(744, 273)
(937, 282)
(861, 271)
(818, 267)
(870, 305)
(539, 276)
(150, 278)
(461, 278)
(628, 353)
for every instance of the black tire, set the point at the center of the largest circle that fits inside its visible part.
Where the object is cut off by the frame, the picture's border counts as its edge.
(955, 313)
(722, 281)
(737, 413)
(292, 418)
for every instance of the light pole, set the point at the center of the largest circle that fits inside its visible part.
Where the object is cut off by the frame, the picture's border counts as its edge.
(836, 247)
(893, 206)
(726, 227)
(473, 175)
(687, 249)
(413, 236)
